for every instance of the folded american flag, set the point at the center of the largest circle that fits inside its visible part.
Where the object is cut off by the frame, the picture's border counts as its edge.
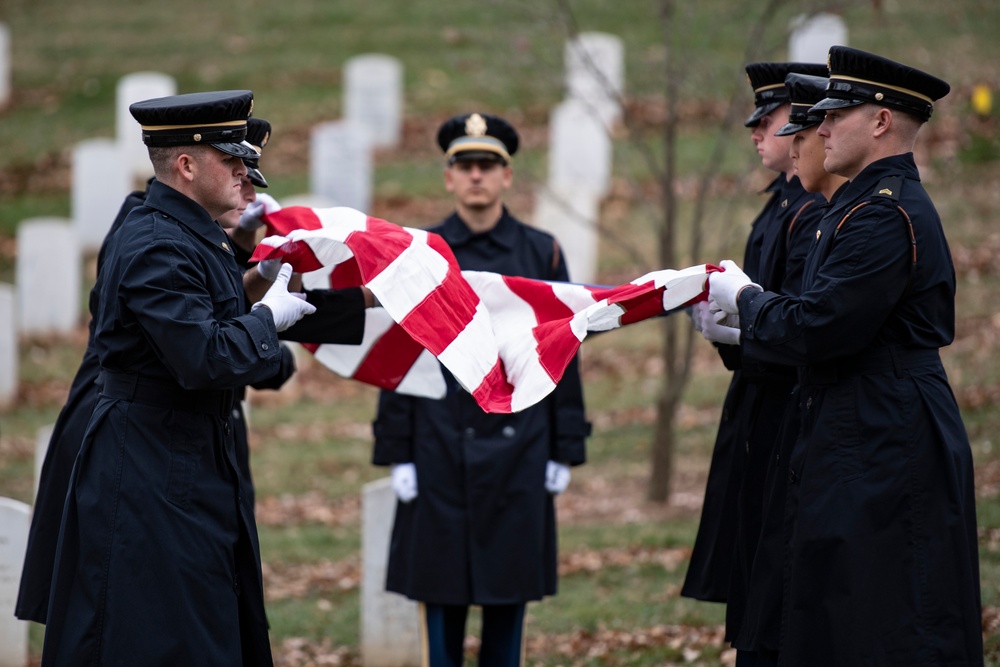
(507, 340)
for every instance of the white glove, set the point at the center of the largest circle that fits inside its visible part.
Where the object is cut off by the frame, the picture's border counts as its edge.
(404, 481)
(556, 477)
(268, 269)
(286, 309)
(725, 286)
(718, 326)
(252, 218)
(695, 312)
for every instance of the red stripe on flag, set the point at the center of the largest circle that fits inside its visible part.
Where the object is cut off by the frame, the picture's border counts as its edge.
(556, 346)
(443, 314)
(389, 359)
(378, 247)
(346, 274)
(284, 220)
(296, 253)
(494, 393)
(540, 296)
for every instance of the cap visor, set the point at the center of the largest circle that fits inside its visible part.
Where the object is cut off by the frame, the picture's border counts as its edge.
(471, 156)
(834, 103)
(256, 177)
(761, 111)
(243, 150)
(793, 128)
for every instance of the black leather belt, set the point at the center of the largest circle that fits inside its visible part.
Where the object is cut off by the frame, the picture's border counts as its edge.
(889, 359)
(130, 387)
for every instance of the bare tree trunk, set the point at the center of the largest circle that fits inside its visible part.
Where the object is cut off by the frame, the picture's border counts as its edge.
(678, 334)
(674, 379)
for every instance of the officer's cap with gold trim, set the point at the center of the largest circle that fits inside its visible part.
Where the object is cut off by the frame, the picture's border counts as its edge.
(477, 136)
(803, 91)
(858, 77)
(258, 134)
(217, 118)
(768, 83)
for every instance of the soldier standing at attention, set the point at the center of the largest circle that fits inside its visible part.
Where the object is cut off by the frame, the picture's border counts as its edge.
(476, 521)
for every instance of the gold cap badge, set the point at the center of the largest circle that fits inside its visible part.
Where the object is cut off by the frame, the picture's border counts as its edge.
(475, 126)
(885, 191)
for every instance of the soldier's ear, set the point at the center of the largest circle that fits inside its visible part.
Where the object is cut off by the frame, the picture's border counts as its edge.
(883, 120)
(186, 166)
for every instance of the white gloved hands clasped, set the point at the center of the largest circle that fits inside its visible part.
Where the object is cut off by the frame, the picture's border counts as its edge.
(716, 325)
(253, 217)
(556, 477)
(404, 481)
(725, 286)
(286, 308)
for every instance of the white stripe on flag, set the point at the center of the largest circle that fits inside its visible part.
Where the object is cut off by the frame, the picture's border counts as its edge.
(345, 359)
(473, 353)
(424, 378)
(407, 281)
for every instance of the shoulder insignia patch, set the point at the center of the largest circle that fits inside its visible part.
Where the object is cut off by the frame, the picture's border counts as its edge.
(890, 187)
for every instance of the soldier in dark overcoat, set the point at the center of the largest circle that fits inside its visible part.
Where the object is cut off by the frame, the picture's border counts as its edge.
(758, 391)
(157, 559)
(476, 521)
(339, 318)
(882, 564)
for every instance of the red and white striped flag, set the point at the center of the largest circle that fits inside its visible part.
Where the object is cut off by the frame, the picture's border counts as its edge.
(507, 340)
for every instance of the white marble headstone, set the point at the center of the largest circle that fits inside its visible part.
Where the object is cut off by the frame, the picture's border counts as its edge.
(48, 276)
(5, 65)
(8, 346)
(595, 73)
(579, 150)
(15, 519)
(813, 35)
(340, 164)
(137, 87)
(390, 625)
(101, 181)
(373, 97)
(572, 217)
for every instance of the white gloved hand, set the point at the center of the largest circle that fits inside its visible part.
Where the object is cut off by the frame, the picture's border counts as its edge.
(268, 269)
(404, 481)
(253, 217)
(718, 326)
(696, 314)
(725, 286)
(556, 477)
(286, 309)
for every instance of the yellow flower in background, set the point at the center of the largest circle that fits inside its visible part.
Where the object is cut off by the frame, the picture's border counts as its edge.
(982, 100)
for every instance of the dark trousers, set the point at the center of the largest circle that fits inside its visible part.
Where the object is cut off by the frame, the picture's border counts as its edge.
(443, 628)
